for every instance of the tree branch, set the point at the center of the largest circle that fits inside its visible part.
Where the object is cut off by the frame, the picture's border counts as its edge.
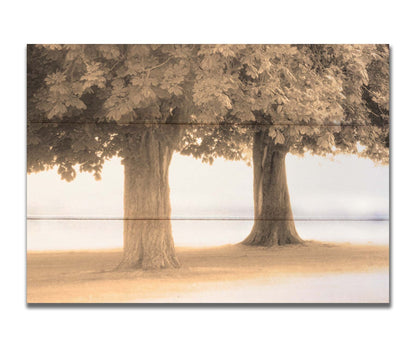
(157, 66)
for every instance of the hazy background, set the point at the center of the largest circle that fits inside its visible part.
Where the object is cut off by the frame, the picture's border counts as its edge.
(344, 199)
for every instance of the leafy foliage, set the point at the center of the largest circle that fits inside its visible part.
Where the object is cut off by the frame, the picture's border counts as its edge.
(317, 98)
(87, 103)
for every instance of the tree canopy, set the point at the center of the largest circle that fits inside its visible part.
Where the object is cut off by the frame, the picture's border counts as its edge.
(317, 98)
(87, 103)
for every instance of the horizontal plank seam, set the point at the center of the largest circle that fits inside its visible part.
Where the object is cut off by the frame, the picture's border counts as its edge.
(213, 124)
(209, 219)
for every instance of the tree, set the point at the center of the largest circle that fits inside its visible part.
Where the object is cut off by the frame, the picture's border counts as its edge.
(88, 103)
(322, 99)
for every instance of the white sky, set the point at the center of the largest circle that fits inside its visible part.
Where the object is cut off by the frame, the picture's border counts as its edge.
(345, 187)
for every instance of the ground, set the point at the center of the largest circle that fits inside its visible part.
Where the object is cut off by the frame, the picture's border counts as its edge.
(311, 272)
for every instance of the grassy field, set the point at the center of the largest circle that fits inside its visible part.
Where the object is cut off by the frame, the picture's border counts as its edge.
(312, 272)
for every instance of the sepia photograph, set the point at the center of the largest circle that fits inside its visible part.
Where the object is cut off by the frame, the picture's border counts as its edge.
(208, 173)
(222, 173)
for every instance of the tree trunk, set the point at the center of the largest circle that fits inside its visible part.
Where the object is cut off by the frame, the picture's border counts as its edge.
(273, 224)
(148, 241)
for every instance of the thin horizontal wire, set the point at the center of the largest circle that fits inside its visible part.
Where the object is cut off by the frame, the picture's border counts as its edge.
(208, 219)
(210, 124)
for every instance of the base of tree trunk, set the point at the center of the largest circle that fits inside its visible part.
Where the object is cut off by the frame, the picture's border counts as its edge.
(162, 262)
(148, 245)
(272, 233)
